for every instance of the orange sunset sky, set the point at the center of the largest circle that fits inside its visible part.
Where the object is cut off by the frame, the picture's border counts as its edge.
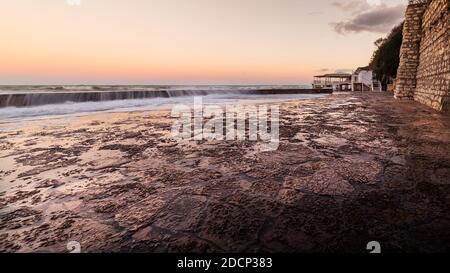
(188, 41)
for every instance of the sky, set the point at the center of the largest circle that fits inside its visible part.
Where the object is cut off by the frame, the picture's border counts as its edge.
(188, 41)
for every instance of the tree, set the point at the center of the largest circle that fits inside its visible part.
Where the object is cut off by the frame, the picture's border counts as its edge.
(379, 42)
(386, 58)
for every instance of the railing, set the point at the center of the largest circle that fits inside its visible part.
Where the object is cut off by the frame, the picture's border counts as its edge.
(376, 86)
(332, 82)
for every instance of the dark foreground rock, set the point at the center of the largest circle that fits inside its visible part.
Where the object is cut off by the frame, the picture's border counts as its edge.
(350, 169)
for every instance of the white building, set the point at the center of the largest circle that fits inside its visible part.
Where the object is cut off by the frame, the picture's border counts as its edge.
(363, 80)
(360, 80)
(336, 82)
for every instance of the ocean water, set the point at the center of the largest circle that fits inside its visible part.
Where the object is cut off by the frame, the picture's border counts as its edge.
(14, 89)
(220, 96)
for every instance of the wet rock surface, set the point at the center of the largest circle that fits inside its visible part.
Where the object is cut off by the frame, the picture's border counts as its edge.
(351, 168)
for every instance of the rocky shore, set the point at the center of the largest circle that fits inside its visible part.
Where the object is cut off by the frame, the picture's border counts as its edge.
(350, 168)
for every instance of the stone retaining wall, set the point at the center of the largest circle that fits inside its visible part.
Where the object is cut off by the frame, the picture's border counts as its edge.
(424, 71)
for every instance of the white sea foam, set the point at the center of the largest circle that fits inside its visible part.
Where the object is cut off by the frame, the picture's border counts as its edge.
(10, 114)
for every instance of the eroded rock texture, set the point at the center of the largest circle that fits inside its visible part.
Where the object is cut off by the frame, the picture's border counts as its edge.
(350, 169)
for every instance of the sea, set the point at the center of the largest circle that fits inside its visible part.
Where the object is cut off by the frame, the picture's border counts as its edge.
(38, 102)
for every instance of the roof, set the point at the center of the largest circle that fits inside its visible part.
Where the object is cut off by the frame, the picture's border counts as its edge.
(335, 75)
(364, 68)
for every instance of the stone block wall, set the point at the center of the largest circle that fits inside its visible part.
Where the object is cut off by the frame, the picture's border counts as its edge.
(424, 72)
(433, 73)
(410, 50)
